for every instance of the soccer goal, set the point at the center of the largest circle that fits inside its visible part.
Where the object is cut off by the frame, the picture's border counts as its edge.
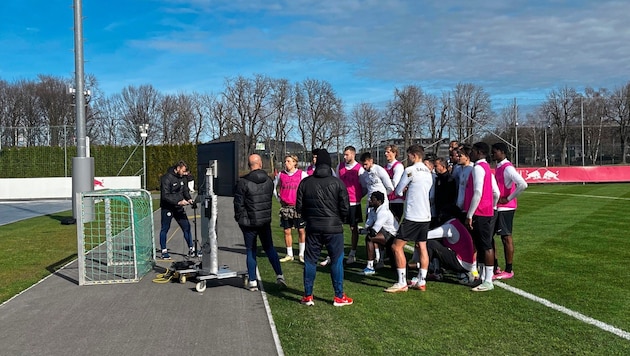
(115, 236)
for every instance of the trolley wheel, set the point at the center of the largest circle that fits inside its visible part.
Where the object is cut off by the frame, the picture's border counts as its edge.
(175, 275)
(200, 286)
(245, 280)
(182, 278)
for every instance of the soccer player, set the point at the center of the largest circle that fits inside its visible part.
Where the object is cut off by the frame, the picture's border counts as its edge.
(395, 170)
(417, 182)
(511, 185)
(462, 172)
(479, 201)
(285, 190)
(349, 172)
(381, 226)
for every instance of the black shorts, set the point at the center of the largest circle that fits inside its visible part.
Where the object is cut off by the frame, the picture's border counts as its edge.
(397, 209)
(356, 215)
(482, 232)
(413, 231)
(297, 223)
(505, 219)
(385, 233)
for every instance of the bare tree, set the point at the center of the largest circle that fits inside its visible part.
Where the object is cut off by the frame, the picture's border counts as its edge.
(319, 112)
(405, 112)
(109, 118)
(437, 114)
(368, 122)
(248, 97)
(201, 114)
(222, 115)
(282, 109)
(595, 110)
(472, 111)
(141, 106)
(562, 109)
(619, 112)
(55, 105)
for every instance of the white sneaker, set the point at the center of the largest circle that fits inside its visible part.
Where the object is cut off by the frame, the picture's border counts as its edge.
(252, 286)
(397, 288)
(484, 287)
(325, 262)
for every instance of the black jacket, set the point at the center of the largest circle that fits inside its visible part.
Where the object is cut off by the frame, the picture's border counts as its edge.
(445, 193)
(252, 199)
(173, 189)
(322, 199)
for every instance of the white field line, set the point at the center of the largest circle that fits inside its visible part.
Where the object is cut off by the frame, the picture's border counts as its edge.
(560, 308)
(581, 317)
(579, 195)
(272, 324)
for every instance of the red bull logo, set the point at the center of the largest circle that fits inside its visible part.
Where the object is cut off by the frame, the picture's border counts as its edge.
(540, 174)
(99, 184)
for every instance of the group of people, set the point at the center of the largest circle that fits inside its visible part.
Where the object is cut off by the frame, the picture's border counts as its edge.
(449, 208)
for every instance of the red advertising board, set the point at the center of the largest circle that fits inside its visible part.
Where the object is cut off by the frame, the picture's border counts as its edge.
(590, 174)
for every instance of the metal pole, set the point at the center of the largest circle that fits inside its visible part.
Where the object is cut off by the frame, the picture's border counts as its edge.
(516, 144)
(82, 165)
(143, 134)
(546, 148)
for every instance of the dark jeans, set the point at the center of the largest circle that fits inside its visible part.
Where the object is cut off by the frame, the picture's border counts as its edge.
(182, 221)
(334, 245)
(264, 233)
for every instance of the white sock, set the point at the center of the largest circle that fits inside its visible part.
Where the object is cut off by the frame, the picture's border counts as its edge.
(402, 278)
(290, 251)
(370, 264)
(487, 277)
(302, 247)
(377, 254)
(422, 275)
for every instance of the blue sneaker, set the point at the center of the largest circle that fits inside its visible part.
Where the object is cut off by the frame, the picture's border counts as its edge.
(165, 255)
(368, 271)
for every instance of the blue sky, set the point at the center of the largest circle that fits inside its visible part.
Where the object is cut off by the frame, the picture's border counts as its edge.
(364, 48)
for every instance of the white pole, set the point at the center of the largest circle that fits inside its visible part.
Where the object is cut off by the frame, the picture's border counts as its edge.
(143, 134)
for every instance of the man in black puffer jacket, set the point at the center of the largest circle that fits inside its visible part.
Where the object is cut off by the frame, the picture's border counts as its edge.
(252, 212)
(322, 199)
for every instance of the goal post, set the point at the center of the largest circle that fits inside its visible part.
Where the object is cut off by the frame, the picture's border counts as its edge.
(115, 236)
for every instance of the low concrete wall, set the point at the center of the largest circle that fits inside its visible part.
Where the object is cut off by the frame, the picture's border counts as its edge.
(57, 187)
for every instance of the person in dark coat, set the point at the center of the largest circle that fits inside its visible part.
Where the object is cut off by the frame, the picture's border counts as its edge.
(174, 196)
(322, 199)
(252, 212)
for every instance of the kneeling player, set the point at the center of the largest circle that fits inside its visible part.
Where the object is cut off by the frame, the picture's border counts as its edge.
(381, 226)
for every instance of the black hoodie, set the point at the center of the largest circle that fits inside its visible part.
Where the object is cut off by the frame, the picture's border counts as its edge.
(252, 199)
(322, 199)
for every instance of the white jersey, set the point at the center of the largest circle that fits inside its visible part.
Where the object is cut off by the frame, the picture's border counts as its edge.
(382, 218)
(418, 180)
(376, 180)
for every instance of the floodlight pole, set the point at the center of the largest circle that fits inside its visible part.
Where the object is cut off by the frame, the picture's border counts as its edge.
(546, 148)
(82, 165)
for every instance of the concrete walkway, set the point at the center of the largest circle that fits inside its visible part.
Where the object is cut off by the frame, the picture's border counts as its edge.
(58, 317)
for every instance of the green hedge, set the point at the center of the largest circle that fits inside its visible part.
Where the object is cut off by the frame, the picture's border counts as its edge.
(40, 161)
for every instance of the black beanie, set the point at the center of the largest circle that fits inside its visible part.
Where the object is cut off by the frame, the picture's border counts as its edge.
(323, 157)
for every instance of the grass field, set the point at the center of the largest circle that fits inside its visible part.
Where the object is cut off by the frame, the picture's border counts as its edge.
(570, 249)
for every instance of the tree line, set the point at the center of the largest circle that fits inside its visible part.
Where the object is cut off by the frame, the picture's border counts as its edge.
(260, 109)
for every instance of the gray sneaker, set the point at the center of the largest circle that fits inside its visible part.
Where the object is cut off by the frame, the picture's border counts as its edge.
(280, 280)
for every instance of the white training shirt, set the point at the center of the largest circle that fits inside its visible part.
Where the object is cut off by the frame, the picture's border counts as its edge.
(418, 181)
(376, 180)
(382, 218)
(462, 179)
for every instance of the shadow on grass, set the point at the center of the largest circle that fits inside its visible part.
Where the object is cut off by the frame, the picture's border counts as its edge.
(59, 217)
(68, 273)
